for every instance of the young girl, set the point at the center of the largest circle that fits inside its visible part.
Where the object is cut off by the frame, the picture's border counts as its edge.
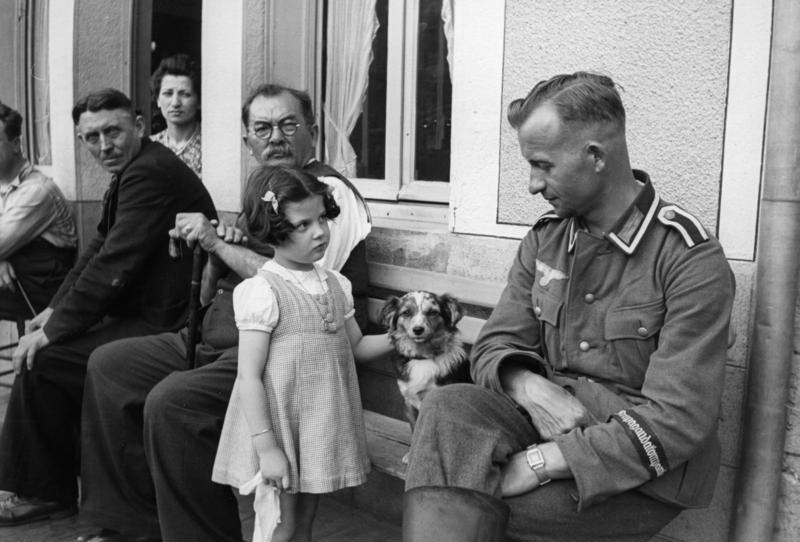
(295, 411)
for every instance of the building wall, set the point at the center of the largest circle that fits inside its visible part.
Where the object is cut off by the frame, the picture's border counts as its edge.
(671, 60)
(101, 58)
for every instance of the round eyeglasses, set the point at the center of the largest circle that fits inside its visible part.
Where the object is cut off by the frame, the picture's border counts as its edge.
(263, 130)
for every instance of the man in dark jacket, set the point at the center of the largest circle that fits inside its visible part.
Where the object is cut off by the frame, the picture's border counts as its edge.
(124, 284)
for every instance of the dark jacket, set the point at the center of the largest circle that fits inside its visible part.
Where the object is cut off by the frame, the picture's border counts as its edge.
(126, 270)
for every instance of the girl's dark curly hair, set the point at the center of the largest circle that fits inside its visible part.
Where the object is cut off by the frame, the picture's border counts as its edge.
(263, 224)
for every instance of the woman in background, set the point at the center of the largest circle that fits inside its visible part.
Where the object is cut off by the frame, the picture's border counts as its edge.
(176, 88)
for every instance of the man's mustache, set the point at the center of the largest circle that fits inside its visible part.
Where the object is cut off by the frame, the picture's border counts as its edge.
(281, 149)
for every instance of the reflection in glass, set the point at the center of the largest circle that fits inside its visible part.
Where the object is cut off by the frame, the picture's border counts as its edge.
(369, 135)
(434, 97)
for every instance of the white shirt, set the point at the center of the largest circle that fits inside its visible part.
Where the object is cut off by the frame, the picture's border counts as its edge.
(348, 229)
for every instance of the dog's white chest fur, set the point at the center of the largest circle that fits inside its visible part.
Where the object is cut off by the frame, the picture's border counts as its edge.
(422, 374)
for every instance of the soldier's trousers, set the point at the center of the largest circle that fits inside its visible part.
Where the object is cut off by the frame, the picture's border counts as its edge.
(464, 435)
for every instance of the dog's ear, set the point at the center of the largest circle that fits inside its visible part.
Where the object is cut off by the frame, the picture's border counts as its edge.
(451, 308)
(388, 314)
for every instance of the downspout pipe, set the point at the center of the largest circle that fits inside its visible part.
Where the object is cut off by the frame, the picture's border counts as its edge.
(770, 363)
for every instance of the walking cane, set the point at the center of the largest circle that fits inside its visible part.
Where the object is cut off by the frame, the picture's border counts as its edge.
(25, 297)
(194, 295)
(20, 326)
(194, 303)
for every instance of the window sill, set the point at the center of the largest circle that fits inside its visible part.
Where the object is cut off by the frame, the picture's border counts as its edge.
(429, 218)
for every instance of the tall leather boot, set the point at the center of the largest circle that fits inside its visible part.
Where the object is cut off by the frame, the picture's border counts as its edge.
(452, 514)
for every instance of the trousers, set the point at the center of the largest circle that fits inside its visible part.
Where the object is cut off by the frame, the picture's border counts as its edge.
(40, 268)
(150, 434)
(39, 442)
(464, 435)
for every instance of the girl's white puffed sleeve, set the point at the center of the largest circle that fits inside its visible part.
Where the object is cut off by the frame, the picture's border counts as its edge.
(254, 305)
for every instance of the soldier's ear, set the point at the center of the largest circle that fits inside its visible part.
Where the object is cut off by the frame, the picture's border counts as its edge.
(596, 152)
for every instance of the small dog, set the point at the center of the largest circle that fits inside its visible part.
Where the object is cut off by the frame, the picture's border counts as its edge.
(428, 349)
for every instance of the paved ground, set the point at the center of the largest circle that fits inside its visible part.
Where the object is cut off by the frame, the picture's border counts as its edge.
(336, 522)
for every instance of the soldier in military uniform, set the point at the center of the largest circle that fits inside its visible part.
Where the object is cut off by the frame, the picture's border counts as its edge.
(599, 374)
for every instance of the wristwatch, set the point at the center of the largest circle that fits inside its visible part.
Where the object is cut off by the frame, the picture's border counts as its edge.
(536, 462)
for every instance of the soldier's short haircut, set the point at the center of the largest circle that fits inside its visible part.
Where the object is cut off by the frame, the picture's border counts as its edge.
(578, 97)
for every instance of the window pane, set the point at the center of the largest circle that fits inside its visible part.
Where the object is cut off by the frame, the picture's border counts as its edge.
(369, 135)
(434, 97)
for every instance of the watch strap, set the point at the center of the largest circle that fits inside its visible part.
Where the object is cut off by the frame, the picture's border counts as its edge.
(535, 459)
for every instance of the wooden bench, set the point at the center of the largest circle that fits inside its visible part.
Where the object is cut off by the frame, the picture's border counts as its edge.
(388, 433)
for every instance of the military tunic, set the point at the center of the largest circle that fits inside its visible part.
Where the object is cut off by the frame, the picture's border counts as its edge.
(635, 323)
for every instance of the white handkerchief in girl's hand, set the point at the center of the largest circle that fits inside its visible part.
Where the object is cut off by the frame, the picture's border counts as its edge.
(266, 505)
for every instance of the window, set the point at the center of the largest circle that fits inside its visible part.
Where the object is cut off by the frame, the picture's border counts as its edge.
(388, 96)
(24, 60)
(38, 108)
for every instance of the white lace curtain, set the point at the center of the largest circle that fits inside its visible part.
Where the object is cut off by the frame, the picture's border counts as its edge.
(352, 26)
(447, 26)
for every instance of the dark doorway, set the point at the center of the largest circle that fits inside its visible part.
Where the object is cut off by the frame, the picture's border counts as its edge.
(176, 27)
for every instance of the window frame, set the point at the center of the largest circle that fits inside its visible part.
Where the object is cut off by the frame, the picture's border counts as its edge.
(401, 93)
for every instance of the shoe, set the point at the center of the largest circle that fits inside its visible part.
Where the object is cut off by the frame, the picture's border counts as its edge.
(15, 510)
(107, 535)
(103, 535)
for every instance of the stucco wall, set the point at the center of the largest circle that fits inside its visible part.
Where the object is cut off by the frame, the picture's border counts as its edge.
(671, 58)
(102, 59)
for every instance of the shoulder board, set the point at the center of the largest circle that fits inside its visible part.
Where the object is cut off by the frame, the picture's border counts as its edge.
(547, 217)
(688, 226)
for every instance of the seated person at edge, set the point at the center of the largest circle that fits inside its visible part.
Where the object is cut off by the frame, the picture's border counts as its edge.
(599, 373)
(183, 407)
(176, 90)
(294, 423)
(37, 233)
(124, 284)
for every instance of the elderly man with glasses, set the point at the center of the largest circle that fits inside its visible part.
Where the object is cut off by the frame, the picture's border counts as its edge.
(148, 452)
